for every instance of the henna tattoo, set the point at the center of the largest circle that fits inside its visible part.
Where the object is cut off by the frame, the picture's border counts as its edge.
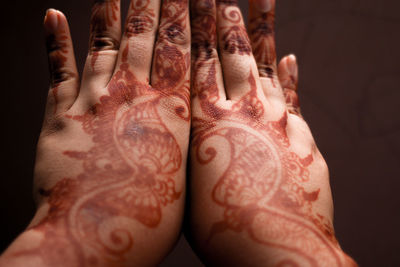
(203, 29)
(262, 34)
(140, 19)
(174, 22)
(262, 188)
(288, 78)
(104, 15)
(235, 39)
(57, 45)
(292, 101)
(128, 175)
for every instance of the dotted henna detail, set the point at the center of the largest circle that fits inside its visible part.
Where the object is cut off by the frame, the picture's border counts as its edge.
(263, 183)
(128, 175)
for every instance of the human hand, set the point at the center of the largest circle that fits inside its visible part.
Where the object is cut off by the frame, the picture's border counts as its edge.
(110, 167)
(260, 193)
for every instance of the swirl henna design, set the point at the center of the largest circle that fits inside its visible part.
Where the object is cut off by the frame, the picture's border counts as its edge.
(128, 175)
(262, 189)
(234, 37)
(141, 18)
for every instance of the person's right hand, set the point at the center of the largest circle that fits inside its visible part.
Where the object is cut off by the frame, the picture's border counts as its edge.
(110, 167)
(260, 193)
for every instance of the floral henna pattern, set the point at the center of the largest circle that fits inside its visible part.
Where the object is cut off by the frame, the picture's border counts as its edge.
(140, 19)
(263, 183)
(128, 175)
(262, 33)
(234, 37)
(203, 41)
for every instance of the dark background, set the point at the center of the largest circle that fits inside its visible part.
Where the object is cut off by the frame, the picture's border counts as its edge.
(349, 57)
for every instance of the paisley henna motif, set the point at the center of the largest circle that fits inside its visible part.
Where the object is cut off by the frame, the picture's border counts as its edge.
(128, 175)
(262, 188)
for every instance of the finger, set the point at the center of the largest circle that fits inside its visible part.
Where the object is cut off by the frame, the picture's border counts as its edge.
(238, 64)
(105, 35)
(64, 77)
(262, 36)
(288, 77)
(207, 84)
(171, 61)
(137, 43)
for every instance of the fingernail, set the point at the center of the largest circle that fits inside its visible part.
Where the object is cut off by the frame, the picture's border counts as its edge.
(264, 5)
(51, 19)
(293, 58)
(292, 65)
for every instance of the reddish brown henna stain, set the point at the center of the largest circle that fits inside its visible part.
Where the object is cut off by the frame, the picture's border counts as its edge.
(262, 189)
(234, 37)
(263, 184)
(128, 175)
(140, 19)
(262, 34)
(104, 15)
(292, 101)
(204, 30)
(57, 49)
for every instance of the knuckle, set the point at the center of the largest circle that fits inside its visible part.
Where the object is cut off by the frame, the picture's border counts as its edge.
(60, 75)
(137, 24)
(266, 70)
(174, 33)
(53, 44)
(204, 51)
(100, 42)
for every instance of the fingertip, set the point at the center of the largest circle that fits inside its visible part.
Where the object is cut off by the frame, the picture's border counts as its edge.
(51, 20)
(55, 21)
(293, 67)
(288, 72)
(292, 58)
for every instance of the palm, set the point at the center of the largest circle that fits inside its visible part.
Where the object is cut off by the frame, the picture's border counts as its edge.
(266, 181)
(111, 159)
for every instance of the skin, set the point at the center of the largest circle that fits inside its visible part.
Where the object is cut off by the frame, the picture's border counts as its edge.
(259, 187)
(110, 167)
